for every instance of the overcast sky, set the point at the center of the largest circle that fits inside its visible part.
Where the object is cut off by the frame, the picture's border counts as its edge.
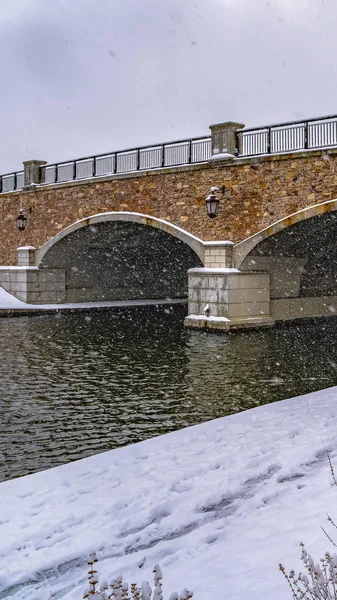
(80, 77)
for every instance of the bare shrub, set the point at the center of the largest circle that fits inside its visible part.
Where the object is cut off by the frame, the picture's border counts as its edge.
(118, 589)
(319, 581)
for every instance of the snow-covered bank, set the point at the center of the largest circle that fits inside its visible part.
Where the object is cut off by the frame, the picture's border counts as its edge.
(218, 505)
(9, 302)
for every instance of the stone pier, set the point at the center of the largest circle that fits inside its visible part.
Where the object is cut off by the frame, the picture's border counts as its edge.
(224, 298)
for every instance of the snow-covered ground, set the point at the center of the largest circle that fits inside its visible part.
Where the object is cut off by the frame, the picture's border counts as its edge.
(218, 505)
(10, 302)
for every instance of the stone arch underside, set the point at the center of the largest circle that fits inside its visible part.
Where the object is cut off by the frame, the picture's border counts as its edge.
(121, 260)
(301, 258)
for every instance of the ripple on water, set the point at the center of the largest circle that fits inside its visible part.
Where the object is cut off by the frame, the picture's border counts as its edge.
(71, 386)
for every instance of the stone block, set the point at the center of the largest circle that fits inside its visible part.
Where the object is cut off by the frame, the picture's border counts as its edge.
(32, 277)
(193, 308)
(222, 310)
(248, 309)
(19, 276)
(51, 275)
(52, 286)
(26, 256)
(194, 281)
(220, 260)
(31, 297)
(21, 296)
(248, 295)
(209, 295)
(50, 297)
(248, 281)
(217, 281)
(223, 296)
(194, 295)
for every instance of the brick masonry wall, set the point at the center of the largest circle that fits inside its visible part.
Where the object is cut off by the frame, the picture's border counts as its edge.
(259, 191)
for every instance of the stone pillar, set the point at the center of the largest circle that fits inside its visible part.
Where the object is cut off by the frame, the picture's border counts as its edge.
(26, 256)
(32, 172)
(224, 143)
(227, 299)
(218, 254)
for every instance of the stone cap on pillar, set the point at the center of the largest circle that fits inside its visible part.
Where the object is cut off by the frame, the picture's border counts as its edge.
(224, 142)
(221, 243)
(32, 172)
(219, 254)
(26, 256)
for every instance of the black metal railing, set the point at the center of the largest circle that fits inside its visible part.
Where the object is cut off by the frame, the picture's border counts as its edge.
(288, 137)
(11, 182)
(272, 139)
(136, 159)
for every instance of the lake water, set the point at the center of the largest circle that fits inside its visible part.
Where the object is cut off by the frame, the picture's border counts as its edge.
(77, 384)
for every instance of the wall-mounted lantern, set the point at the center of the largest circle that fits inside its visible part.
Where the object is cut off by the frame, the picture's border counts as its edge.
(212, 202)
(21, 220)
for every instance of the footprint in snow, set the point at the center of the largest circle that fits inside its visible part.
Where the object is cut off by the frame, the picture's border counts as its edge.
(27, 494)
(141, 457)
(210, 539)
(180, 487)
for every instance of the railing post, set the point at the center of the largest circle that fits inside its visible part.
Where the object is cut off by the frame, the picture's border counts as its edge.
(190, 151)
(74, 169)
(56, 174)
(306, 134)
(268, 140)
(94, 166)
(138, 160)
(224, 139)
(115, 162)
(0, 185)
(32, 172)
(163, 156)
(15, 184)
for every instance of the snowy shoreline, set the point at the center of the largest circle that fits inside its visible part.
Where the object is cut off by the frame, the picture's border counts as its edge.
(9, 305)
(218, 505)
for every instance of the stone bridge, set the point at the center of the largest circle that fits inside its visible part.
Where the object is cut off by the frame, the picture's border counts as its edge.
(269, 255)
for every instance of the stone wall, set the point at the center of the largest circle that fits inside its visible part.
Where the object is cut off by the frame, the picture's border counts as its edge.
(34, 286)
(259, 191)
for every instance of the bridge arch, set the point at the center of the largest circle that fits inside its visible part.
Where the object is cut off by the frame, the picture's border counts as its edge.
(243, 249)
(300, 254)
(121, 256)
(194, 242)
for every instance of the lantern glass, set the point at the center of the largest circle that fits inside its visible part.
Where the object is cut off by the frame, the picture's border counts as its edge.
(212, 204)
(21, 222)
